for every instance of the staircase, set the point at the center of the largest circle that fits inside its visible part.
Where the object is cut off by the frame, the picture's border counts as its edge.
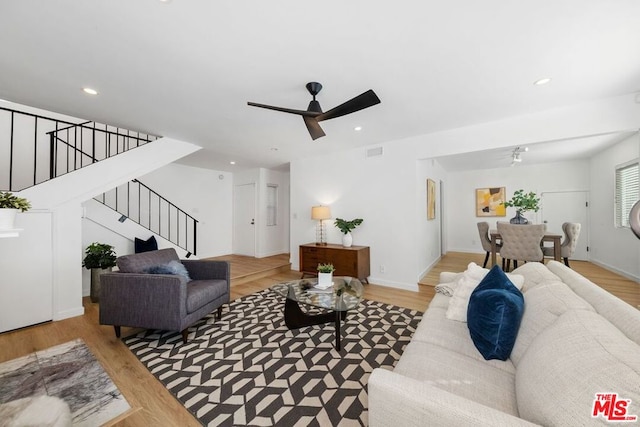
(55, 160)
(139, 203)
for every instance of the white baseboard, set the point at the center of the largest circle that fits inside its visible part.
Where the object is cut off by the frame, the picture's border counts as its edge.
(398, 285)
(429, 267)
(65, 314)
(615, 270)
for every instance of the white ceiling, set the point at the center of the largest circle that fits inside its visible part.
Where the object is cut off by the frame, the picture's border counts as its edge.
(544, 152)
(186, 68)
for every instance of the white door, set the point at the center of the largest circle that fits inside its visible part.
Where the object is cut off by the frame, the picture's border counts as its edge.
(567, 206)
(244, 219)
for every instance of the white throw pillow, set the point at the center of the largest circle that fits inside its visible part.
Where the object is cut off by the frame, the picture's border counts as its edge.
(470, 279)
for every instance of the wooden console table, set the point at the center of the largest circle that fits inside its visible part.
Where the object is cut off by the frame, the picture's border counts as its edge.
(353, 261)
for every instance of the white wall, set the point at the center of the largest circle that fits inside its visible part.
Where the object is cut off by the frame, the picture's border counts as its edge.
(614, 248)
(461, 215)
(270, 240)
(204, 194)
(429, 231)
(273, 240)
(381, 190)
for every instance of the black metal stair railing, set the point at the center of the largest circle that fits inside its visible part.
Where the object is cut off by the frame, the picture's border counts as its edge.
(139, 203)
(25, 148)
(35, 148)
(74, 147)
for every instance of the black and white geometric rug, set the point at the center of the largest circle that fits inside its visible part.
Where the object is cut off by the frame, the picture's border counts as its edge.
(250, 369)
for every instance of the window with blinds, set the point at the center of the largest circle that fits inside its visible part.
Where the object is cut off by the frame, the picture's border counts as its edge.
(627, 191)
(272, 204)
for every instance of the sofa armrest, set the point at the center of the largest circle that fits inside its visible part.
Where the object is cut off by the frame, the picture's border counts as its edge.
(207, 270)
(402, 401)
(449, 277)
(143, 300)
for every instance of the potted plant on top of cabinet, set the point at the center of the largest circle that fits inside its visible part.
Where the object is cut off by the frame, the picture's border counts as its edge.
(99, 258)
(10, 205)
(346, 227)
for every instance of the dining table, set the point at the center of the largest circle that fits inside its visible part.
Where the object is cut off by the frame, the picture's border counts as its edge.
(548, 237)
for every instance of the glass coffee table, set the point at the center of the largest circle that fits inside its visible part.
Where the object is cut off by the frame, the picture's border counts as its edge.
(344, 295)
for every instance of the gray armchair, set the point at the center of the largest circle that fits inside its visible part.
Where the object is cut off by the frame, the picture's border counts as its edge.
(134, 297)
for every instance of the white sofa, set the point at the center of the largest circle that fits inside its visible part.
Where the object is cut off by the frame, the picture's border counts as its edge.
(575, 340)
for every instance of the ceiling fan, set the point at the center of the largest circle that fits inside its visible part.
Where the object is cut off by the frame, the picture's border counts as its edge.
(314, 114)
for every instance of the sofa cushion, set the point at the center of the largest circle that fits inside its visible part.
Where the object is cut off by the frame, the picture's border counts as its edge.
(461, 375)
(137, 263)
(624, 316)
(494, 315)
(543, 305)
(466, 284)
(172, 267)
(202, 292)
(580, 355)
(534, 273)
(435, 328)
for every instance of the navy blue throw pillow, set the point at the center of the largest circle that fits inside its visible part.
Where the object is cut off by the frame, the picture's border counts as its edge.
(494, 314)
(145, 245)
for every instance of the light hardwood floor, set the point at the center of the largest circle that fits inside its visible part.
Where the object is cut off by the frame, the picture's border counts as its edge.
(154, 405)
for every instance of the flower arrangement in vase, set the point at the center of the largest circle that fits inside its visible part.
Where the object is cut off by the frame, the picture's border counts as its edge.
(523, 202)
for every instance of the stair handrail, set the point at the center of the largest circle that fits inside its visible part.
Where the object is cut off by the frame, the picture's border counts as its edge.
(190, 248)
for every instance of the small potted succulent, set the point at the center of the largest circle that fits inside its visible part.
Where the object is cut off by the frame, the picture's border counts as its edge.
(325, 275)
(523, 202)
(99, 258)
(10, 205)
(346, 227)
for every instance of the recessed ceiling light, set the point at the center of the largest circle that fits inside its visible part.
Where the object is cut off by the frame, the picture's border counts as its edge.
(232, 162)
(90, 91)
(543, 81)
(357, 128)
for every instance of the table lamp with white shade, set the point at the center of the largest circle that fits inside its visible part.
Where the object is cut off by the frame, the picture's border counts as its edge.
(320, 213)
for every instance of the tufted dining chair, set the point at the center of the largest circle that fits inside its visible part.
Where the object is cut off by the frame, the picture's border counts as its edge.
(521, 242)
(483, 229)
(568, 247)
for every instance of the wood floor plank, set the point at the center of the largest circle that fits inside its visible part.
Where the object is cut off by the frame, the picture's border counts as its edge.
(155, 405)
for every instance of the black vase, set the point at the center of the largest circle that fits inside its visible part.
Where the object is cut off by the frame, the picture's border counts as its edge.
(519, 219)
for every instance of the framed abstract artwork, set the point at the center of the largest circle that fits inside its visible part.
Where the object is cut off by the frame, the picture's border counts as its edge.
(431, 199)
(489, 201)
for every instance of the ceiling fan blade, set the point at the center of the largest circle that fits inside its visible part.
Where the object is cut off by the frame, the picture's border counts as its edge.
(314, 127)
(360, 102)
(285, 110)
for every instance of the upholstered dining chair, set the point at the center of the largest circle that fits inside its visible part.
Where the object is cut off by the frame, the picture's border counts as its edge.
(521, 242)
(568, 247)
(483, 229)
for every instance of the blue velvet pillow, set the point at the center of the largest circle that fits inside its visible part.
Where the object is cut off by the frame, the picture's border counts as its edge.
(145, 245)
(494, 314)
(172, 267)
